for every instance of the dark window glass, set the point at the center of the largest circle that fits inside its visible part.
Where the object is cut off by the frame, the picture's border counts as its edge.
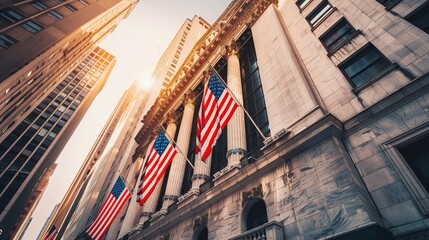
(253, 97)
(204, 234)
(55, 15)
(84, 2)
(338, 35)
(364, 66)
(70, 7)
(319, 13)
(39, 5)
(417, 157)
(302, 3)
(388, 3)
(6, 40)
(420, 18)
(31, 26)
(11, 15)
(257, 215)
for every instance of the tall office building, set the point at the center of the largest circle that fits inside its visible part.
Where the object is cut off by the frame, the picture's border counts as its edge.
(41, 43)
(339, 90)
(100, 179)
(26, 218)
(178, 50)
(115, 160)
(175, 55)
(128, 102)
(34, 144)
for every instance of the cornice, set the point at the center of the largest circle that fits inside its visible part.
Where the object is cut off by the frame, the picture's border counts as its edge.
(239, 14)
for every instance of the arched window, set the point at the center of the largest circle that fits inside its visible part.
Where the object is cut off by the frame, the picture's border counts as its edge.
(201, 233)
(254, 214)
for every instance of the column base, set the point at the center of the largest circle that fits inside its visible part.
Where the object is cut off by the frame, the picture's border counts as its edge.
(135, 231)
(158, 216)
(187, 198)
(226, 173)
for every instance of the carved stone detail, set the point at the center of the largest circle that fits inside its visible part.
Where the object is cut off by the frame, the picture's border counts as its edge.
(189, 98)
(138, 153)
(165, 236)
(255, 192)
(232, 49)
(222, 32)
(201, 220)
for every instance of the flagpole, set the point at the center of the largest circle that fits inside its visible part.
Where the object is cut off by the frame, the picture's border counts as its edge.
(238, 103)
(127, 184)
(177, 147)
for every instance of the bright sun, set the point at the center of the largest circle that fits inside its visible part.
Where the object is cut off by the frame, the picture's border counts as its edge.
(145, 83)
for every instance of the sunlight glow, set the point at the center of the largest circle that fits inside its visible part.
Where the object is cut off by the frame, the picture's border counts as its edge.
(145, 83)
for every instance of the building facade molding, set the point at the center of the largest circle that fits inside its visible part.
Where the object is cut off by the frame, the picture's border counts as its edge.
(274, 156)
(237, 17)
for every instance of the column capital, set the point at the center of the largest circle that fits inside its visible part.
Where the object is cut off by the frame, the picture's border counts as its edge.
(206, 76)
(200, 176)
(232, 49)
(138, 153)
(172, 118)
(189, 98)
(146, 214)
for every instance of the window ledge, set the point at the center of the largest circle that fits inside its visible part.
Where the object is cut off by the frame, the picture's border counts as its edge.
(382, 74)
(392, 5)
(304, 7)
(354, 34)
(323, 19)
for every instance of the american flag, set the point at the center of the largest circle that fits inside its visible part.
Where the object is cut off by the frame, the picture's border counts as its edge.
(51, 234)
(217, 108)
(157, 162)
(110, 209)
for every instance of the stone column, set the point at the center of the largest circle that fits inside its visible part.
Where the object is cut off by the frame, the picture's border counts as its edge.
(201, 169)
(133, 209)
(149, 206)
(177, 170)
(236, 126)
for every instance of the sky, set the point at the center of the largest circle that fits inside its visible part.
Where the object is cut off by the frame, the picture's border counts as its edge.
(137, 43)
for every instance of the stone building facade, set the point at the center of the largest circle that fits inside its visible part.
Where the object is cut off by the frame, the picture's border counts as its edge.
(340, 92)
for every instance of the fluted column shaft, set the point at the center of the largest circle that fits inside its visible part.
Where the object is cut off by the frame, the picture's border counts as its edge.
(236, 126)
(133, 208)
(177, 170)
(149, 206)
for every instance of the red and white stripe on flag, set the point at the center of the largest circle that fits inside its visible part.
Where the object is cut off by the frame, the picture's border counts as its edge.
(51, 234)
(158, 160)
(217, 108)
(110, 209)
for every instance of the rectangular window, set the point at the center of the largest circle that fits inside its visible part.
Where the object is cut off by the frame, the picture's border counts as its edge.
(70, 7)
(416, 155)
(364, 66)
(39, 5)
(302, 3)
(84, 2)
(55, 15)
(6, 40)
(319, 14)
(336, 37)
(31, 26)
(11, 15)
(420, 18)
(389, 3)
(409, 154)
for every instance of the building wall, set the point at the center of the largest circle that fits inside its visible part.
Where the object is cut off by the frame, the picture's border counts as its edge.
(115, 160)
(333, 165)
(33, 146)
